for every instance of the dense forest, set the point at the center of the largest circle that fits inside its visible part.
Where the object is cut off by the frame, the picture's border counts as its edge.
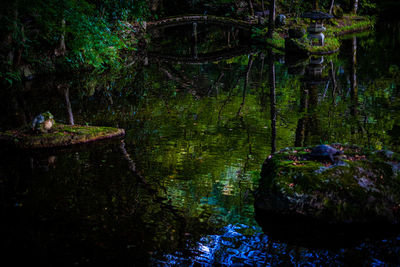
(69, 35)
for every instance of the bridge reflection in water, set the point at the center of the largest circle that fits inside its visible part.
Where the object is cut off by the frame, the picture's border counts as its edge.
(198, 41)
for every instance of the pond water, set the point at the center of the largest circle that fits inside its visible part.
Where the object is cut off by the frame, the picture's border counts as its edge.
(201, 114)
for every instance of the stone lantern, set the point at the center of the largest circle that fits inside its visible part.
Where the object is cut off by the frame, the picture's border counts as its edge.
(316, 26)
(315, 67)
(314, 72)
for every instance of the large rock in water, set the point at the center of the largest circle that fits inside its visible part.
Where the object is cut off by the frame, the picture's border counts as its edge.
(359, 187)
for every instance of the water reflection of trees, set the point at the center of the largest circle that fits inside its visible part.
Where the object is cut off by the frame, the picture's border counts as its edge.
(196, 133)
(84, 207)
(302, 111)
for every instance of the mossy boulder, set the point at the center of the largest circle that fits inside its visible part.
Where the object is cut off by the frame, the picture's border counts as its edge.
(337, 11)
(294, 45)
(60, 135)
(360, 187)
(296, 32)
(303, 46)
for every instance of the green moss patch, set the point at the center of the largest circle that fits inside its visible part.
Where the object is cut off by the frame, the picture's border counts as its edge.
(277, 41)
(335, 27)
(332, 45)
(59, 136)
(360, 187)
(349, 24)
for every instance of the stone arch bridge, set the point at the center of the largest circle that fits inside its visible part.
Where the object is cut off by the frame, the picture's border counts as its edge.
(182, 20)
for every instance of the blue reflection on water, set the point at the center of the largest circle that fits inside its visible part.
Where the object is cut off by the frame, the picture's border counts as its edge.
(242, 245)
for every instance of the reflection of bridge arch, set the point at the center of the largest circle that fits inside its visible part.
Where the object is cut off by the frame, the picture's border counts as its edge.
(201, 58)
(170, 22)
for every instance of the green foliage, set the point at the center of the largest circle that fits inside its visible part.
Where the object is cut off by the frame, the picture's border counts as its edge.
(331, 44)
(95, 35)
(93, 42)
(350, 24)
(293, 6)
(277, 41)
(10, 77)
(368, 6)
(129, 10)
(298, 6)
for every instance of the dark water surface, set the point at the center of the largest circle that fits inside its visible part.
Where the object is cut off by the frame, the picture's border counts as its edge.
(201, 115)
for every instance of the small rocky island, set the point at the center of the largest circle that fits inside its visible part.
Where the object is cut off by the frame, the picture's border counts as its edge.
(334, 184)
(45, 133)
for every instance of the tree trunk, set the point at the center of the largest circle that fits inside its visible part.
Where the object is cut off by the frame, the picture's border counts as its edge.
(331, 8)
(316, 5)
(334, 82)
(263, 95)
(194, 47)
(301, 124)
(353, 79)
(62, 48)
(132, 165)
(271, 18)
(355, 7)
(272, 96)
(263, 8)
(251, 8)
(314, 120)
(246, 82)
(69, 107)
(17, 50)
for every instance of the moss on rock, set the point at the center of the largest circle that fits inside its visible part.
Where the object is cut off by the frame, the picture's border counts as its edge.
(284, 41)
(360, 187)
(349, 24)
(59, 136)
(302, 45)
